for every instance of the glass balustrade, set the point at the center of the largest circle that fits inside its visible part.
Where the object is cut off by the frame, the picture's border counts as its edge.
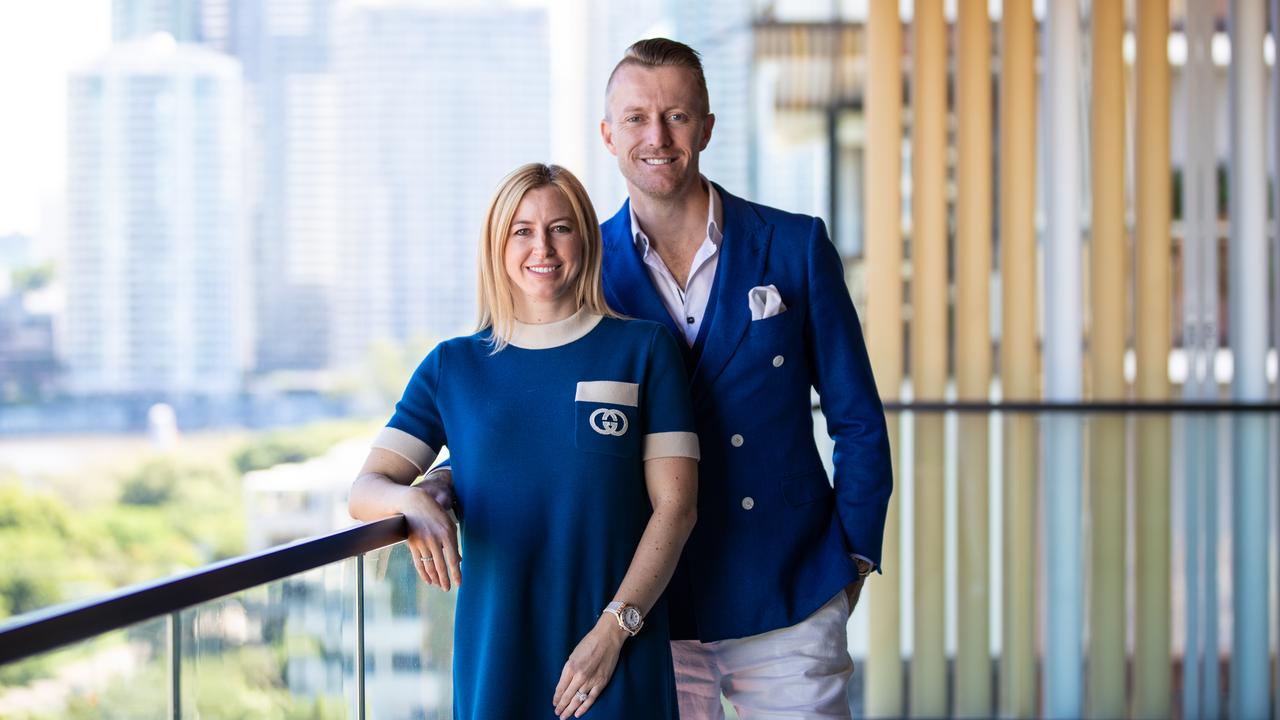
(1051, 563)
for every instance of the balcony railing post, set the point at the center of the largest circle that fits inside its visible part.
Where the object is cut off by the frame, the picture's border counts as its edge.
(175, 665)
(360, 636)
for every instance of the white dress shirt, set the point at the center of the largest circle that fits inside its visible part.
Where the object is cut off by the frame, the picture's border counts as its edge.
(687, 305)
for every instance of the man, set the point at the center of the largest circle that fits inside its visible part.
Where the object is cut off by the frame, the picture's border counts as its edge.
(776, 561)
(759, 297)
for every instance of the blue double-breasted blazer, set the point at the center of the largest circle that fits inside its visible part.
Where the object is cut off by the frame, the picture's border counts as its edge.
(774, 536)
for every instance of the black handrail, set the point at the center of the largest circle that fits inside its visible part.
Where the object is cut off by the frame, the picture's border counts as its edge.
(53, 627)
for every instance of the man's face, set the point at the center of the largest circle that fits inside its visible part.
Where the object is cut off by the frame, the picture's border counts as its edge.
(656, 126)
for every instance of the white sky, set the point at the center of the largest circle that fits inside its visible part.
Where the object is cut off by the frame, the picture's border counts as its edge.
(40, 41)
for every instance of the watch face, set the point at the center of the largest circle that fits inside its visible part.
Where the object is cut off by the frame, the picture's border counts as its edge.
(631, 618)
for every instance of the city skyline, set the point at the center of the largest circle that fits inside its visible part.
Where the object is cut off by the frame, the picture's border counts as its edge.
(38, 50)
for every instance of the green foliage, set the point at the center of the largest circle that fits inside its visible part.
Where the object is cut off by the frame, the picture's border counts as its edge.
(240, 684)
(33, 511)
(166, 479)
(390, 365)
(173, 513)
(32, 278)
(294, 445)
(21, 673)
(35, 531)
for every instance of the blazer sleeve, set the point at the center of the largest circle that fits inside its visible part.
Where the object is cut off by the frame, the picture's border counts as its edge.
(854, 414)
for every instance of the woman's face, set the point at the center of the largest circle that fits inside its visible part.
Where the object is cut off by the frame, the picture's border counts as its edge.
(543, 256)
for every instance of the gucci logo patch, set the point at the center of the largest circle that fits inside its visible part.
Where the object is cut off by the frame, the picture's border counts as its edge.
(609, 422)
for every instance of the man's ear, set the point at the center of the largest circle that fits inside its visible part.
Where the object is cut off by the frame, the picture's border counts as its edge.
(606, 134)
(707, 124)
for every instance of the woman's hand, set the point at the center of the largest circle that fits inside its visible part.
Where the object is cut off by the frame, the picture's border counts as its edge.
(433, 539)
(383, 489)
(589, 668)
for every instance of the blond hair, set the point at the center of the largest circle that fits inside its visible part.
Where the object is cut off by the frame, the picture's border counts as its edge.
(496, 303)
(661, 52)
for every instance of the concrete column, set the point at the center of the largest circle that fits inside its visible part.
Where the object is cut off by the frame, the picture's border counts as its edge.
(973, 356)
(1019, 367)
(1248, 187)
(1250, 661)
(1063, 297)
(883, 202)
(928, 349)
(1108, 301)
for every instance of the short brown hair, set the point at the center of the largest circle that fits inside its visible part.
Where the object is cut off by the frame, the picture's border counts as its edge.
(661, 52)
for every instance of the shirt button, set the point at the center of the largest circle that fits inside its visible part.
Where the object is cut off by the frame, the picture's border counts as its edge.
(778, 360)
(748, 503)
(736, 440)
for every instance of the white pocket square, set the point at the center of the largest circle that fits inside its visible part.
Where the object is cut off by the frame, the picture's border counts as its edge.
(765, 302)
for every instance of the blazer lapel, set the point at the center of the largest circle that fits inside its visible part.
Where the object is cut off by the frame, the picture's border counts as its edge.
(743, 252)
(627, 286)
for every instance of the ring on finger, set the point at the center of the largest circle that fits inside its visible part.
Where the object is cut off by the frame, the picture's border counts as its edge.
(425, 559)
(581, 696)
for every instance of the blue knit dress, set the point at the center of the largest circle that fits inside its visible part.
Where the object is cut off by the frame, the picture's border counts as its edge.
(548, 439)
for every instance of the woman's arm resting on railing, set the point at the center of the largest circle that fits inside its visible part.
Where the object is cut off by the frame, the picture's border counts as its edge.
(673, 492)
(382, 489)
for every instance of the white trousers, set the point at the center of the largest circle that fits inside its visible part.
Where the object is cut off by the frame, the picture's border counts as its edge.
(792, 673)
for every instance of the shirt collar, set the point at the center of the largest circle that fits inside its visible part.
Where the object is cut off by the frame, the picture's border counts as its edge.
(715, 221)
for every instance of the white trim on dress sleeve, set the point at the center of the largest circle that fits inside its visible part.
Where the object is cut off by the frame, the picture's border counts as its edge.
(671, 444)
(406, 446)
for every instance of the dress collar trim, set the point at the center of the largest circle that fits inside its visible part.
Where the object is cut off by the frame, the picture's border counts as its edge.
(542, 336)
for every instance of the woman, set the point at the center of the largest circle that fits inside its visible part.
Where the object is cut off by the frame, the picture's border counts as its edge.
(574, 466)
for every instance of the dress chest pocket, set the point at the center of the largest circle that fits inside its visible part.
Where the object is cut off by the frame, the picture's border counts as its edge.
(607, 417)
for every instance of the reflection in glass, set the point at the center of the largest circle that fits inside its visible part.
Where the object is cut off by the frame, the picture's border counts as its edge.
(120, 674)
(882, 601)
(1105, 536)
(284, 649)
(1152, 562)
(1018, 658)
(1250, 591)
(1201, 534)
(928, 660)
(1064, 590)
(408, 631)
(973, 638)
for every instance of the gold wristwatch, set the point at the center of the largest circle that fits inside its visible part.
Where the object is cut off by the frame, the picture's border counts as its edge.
(629, 617)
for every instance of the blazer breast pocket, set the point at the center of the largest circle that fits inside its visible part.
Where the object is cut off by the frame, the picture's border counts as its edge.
(607, 417)
(771, 328)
